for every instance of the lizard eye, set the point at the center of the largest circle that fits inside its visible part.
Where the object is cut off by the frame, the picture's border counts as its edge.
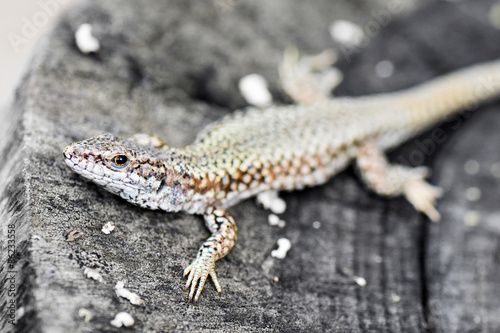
(120, 161)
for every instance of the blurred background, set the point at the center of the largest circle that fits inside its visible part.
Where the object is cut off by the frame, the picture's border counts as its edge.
(22, 25)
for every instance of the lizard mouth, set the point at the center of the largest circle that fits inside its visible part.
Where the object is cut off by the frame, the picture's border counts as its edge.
(77, 162)
(85, 168)
(88, 167)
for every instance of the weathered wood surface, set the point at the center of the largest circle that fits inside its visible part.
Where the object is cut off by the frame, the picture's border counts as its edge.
(170, 68)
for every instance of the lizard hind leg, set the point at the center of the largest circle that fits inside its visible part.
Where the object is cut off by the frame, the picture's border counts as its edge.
(423, 196)
(393, 180)
(308, 79)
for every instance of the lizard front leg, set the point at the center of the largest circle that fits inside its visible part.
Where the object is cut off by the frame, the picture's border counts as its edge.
(148, 140)
(393, 180)
(223, 238)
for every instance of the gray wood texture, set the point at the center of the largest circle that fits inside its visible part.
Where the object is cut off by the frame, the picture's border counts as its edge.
(170, 68)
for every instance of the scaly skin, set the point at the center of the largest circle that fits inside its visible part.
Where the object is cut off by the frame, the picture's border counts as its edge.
(280, 148)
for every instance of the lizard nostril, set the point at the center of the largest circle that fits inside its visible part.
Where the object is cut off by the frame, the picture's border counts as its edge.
(67, 152)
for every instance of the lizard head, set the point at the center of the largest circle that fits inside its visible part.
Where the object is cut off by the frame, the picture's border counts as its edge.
(126, 168)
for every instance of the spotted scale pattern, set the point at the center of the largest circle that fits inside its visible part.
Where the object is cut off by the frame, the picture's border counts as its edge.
(280, 148)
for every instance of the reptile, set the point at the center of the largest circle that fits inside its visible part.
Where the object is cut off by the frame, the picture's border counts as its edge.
(281, 148)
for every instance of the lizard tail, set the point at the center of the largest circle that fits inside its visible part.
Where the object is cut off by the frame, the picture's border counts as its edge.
(462, 90)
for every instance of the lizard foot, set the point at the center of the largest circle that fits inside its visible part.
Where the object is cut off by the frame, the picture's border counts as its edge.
(423, 195)
(198, 271)
(308, 80)
(148, 140)
(391, 180)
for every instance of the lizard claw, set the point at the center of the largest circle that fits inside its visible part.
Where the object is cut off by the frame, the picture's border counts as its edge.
(423, 196)
(198, 271)
(308, 79)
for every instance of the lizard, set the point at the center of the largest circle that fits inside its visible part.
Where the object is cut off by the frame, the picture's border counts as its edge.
(282, 148)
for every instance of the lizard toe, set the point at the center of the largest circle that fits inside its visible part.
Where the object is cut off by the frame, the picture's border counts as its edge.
(423, 196)
(198, 271)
